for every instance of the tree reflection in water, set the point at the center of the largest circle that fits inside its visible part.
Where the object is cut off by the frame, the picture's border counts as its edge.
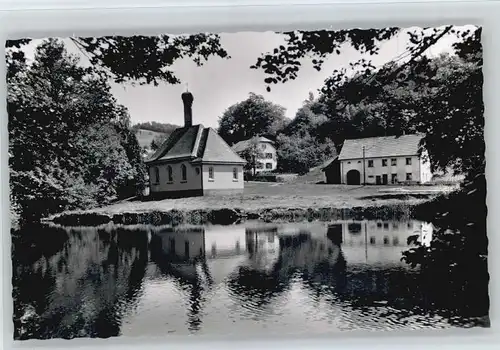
(454, 268)
(299, 255)
(75, 290)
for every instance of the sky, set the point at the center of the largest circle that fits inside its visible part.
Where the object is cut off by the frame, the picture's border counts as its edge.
(220, 83)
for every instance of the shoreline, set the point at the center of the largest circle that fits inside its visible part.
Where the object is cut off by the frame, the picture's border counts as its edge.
(229, 216)
(265, 202)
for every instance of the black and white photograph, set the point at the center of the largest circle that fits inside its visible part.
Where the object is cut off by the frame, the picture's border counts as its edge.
(248, 183)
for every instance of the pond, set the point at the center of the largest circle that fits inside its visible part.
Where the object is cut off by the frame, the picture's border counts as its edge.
(251, 278)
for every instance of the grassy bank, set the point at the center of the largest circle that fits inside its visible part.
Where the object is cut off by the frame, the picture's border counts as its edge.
(265, 201)
(275, 195)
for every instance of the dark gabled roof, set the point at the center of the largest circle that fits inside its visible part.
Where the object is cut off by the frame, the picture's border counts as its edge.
(386, 146)
(196, 143)
(168, 144)
(328, 163)
(242, 145)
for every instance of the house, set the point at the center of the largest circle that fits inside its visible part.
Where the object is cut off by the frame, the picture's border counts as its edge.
(268, 160)
(384, 160)
(194, 161)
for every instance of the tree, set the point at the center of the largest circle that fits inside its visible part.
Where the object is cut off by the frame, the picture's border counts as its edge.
(299, 153)
(251, 154)
(104, 161)
(301, 145)
(252, 117)
(158, 141)
(56, 107)
(283, 63)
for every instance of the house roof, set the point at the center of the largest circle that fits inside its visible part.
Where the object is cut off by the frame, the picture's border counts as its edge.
(329, 162)
(387, 146)
(242, 145)
(196, 143)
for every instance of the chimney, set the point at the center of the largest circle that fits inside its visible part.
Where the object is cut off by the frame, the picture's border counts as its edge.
(187, 99)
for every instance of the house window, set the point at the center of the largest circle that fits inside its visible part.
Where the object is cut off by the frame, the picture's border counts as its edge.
(211, 173)
(370, 164)
(269, 165)
(408, 177)
(394, 178)
(157, 175)
(359, 161)
(384, 162)
(408, 161)
(269, 156)
(354, 228)
(394, 162)
(260, 165)
(235, 174)
(184, 172)
(197, 171)
(170, 176)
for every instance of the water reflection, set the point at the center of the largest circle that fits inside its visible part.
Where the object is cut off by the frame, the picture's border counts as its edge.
(79, 290)
(216, 279)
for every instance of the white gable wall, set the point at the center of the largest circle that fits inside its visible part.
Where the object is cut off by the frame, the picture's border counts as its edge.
(223, 177)
(267, 147)
(193, 180)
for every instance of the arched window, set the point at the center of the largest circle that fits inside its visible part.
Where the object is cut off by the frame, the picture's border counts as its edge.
(235, 174)
(184, 172)
(157, 175)
(170, 177)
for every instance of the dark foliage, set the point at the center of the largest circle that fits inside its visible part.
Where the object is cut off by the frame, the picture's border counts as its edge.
(70, 145)
(249, 118)
(146, 59)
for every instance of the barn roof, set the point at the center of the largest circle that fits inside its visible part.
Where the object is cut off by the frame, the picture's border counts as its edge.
(386, 146)
(196, 143)
(328, 163)
(242, 145)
